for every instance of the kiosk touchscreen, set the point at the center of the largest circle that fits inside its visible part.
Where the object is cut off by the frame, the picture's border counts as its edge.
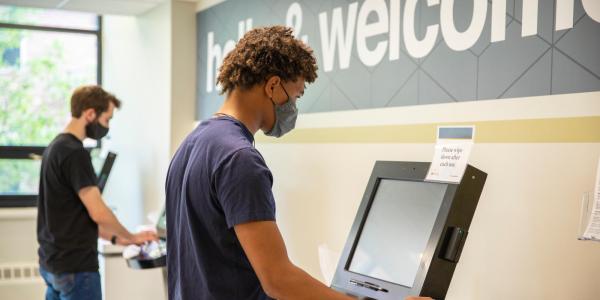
(408, 233)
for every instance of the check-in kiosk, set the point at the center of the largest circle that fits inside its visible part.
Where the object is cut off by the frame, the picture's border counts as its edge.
(408, 233)
(142, 276)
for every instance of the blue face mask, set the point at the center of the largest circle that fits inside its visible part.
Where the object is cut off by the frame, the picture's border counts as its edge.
(285, 117)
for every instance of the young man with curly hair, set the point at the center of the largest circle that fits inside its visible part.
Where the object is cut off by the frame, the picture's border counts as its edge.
(223, 242)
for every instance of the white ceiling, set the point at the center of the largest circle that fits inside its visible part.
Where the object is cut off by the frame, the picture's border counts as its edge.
(101, 7)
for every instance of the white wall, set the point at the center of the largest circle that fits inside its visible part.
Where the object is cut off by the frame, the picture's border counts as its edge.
(136, 60)
(149, 63)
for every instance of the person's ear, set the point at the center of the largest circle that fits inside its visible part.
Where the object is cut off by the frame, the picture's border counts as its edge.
(89, 115)
(272, 82)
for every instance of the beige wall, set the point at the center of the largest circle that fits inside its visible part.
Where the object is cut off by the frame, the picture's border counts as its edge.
(183, 75)
(522, 243)
(204, 4)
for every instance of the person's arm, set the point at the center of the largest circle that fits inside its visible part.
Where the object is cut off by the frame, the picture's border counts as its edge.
(280, 279)
(102, 233)
(108, 225)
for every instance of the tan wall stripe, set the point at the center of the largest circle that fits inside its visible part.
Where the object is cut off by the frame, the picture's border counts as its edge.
(555, 130)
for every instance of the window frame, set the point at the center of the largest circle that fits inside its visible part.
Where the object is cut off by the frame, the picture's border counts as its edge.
(35, 152)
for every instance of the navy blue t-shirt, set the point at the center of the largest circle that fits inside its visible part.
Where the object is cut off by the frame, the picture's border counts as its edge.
(216, 180)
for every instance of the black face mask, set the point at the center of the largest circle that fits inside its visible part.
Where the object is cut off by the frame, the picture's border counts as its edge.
(95, 130)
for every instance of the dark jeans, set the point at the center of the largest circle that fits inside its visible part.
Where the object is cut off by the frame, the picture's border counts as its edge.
(72, 286)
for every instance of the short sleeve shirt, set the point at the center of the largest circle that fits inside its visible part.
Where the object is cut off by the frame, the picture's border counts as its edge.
(216, 180)
(66, 233)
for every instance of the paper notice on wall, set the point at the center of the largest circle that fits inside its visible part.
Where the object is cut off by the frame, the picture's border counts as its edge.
(451, 154)
(592, 230)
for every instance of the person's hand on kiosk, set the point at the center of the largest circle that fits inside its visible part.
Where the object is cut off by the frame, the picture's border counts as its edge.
(144, 236)
(138, 238)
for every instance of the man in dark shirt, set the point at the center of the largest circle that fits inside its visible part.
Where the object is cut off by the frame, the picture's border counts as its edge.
(223, 242)
(71, 212)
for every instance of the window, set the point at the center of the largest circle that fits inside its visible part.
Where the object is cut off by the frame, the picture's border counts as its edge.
(44, 55)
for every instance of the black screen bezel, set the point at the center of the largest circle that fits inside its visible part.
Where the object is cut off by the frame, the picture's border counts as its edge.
(403, 171)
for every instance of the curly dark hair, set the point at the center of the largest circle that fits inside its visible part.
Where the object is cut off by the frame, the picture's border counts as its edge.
(265, 52)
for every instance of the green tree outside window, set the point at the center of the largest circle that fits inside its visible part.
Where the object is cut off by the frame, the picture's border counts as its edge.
(38, 72)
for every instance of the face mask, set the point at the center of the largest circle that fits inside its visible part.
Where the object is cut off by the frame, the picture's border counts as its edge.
(95, 130)
(285, 117)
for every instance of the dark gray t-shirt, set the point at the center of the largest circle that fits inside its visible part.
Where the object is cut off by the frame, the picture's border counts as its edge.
(67, 235)
(216, 180)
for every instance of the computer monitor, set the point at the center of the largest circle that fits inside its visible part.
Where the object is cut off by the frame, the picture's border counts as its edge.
(408, 233)
(105, 171)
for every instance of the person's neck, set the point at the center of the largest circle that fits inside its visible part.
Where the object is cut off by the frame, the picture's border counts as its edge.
(243, 106)
(76, 127)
